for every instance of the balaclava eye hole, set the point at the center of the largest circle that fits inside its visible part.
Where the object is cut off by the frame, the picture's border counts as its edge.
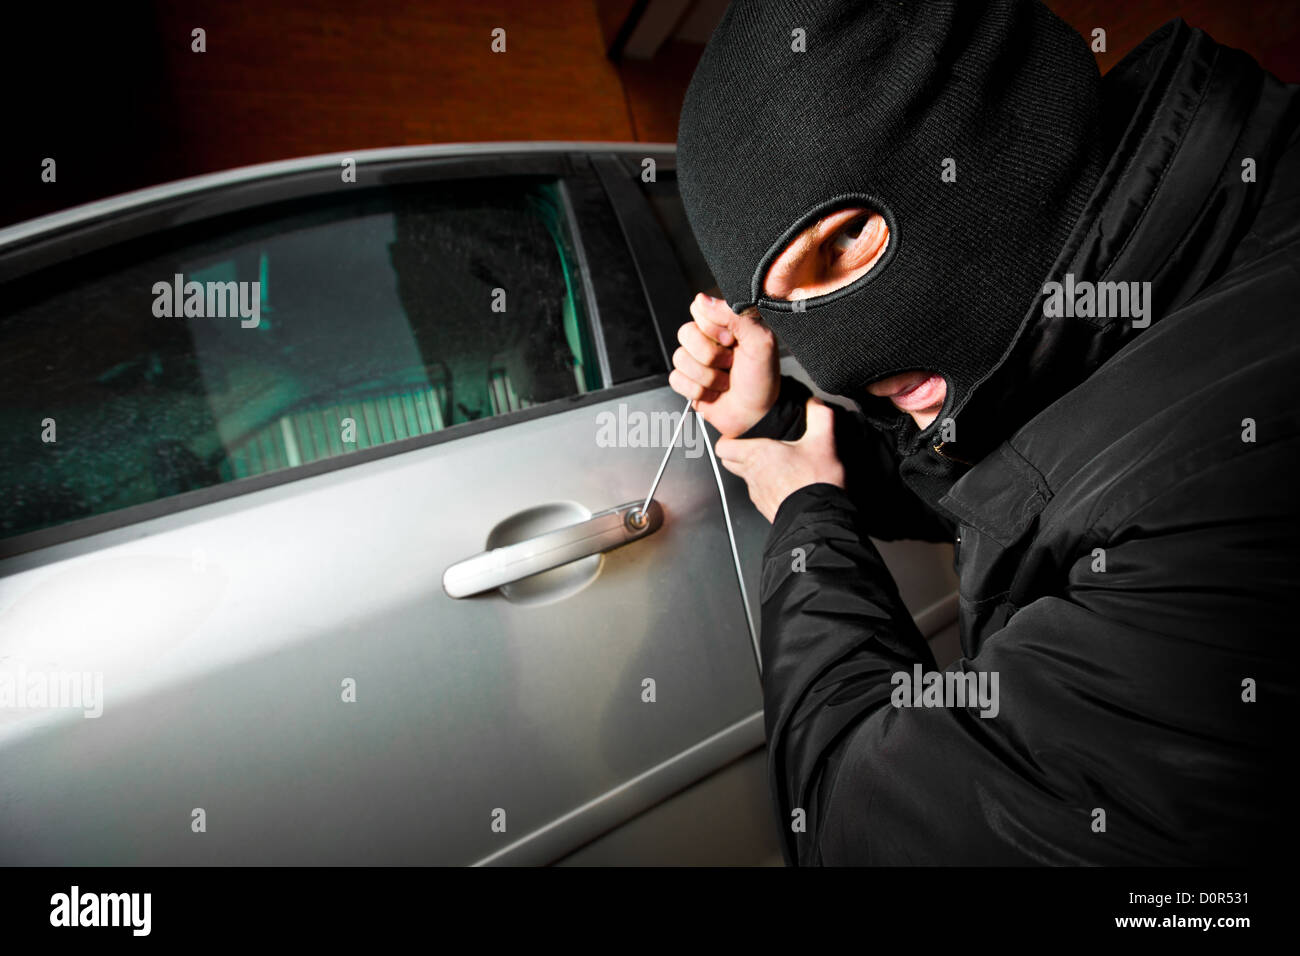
(872, 204)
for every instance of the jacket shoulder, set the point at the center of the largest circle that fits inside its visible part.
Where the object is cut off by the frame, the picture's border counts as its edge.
(1210, 385)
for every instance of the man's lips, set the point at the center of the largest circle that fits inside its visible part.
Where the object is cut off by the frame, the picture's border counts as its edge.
(912, 392)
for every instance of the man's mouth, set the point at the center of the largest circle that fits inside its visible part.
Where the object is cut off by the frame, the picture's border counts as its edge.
(912, 391)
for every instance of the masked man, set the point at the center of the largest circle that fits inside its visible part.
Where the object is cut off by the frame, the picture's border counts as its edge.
(1066, 307)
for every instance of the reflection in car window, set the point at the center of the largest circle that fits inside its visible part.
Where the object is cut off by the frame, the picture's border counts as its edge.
(253, 344)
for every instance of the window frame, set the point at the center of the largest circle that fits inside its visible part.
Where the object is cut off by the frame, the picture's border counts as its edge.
(663, 283)
(158, 210)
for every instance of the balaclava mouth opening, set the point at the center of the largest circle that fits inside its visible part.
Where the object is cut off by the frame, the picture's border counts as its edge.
(971, 126)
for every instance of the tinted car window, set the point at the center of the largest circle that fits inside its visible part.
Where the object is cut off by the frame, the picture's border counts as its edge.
(302, 332)
(666, 204)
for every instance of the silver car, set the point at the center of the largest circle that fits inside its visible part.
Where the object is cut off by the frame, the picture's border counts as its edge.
(319, 540)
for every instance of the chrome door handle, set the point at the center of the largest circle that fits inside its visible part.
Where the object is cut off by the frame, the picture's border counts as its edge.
(603, 531)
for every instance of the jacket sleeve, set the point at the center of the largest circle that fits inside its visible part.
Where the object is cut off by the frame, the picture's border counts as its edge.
(1118, 733)
(891, 509)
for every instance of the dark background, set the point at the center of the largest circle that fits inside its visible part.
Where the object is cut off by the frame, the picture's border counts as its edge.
(114, 94)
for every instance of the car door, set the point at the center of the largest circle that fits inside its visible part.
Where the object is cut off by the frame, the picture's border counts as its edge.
(251, 422)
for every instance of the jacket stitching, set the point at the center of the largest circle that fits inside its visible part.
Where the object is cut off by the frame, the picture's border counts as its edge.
(1212, 68)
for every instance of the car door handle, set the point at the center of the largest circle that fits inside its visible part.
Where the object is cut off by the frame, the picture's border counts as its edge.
(603, 531)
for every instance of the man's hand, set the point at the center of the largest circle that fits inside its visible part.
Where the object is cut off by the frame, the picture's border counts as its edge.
(774, 470)
(727, 364)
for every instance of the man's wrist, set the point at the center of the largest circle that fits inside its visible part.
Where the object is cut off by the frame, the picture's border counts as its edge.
(784, 421)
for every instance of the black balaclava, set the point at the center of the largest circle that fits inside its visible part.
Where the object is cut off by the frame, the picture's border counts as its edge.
(884, 98)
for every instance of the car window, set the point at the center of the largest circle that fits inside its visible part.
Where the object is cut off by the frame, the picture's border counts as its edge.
(666, 205)
(304, 331)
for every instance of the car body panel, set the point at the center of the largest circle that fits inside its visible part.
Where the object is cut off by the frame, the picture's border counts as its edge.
(224, 640)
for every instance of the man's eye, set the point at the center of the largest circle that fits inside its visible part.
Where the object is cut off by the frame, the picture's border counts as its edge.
(848, 234)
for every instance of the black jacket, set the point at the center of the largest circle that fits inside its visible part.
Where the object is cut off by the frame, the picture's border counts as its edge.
(1166, 455)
